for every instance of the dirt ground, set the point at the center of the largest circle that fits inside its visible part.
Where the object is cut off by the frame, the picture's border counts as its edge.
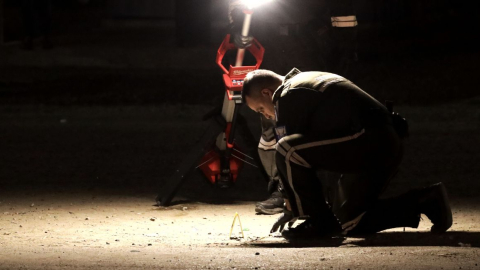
(79, 186)
(89, 136)
(91, 230)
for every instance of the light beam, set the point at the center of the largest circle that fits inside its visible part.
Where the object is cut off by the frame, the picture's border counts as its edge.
(251, 4)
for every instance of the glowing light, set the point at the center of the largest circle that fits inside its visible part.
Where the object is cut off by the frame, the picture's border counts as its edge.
(254, 3)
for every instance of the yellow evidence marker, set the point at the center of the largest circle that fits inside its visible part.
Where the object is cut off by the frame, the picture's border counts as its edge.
(233, 223)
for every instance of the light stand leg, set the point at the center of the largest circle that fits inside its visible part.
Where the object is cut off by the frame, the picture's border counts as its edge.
(226, 175)
(190, 161)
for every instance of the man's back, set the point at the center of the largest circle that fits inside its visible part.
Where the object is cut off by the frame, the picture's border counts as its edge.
(325, 105)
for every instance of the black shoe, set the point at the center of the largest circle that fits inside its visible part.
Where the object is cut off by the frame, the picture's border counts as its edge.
(272, 205)
(434, 204)
(313, 228)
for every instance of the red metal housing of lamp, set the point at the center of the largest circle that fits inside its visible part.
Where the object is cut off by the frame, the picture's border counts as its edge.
(211, 163)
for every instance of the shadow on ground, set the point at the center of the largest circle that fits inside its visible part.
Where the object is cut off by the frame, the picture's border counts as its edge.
(386, 239)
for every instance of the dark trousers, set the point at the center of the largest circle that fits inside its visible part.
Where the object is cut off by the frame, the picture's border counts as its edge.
(366, 161)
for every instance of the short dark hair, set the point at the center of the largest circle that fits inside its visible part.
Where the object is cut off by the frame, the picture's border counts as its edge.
(257, 80)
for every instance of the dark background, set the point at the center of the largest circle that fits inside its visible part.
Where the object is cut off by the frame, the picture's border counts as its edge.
(395, 38)
(119, 99)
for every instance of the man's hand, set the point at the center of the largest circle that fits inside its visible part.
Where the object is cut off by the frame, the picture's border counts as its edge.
(286, 217)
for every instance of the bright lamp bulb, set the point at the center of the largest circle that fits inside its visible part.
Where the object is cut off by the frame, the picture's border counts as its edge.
(254, 3)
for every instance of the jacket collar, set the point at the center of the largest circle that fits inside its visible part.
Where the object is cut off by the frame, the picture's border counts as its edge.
(291, 74)
(279, 90)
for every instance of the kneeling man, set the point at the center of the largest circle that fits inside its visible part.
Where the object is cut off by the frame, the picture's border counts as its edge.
(325, 122)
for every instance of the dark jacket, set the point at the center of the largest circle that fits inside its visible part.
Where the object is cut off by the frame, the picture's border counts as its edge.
(324, 105)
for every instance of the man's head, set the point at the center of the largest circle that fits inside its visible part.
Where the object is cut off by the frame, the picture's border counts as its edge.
(258, 89)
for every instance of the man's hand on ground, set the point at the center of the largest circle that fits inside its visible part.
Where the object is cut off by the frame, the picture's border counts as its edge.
(286, 217)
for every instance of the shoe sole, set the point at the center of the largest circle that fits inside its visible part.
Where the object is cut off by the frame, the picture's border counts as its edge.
(265, 211)
(294, 235)
(447, 219)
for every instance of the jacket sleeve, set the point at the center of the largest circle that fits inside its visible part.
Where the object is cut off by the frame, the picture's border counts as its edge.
(267, 146)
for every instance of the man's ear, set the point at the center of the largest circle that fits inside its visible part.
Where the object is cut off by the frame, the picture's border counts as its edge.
(267, 93)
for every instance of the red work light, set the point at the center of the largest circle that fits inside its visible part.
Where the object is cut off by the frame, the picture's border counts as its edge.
(216, 154)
